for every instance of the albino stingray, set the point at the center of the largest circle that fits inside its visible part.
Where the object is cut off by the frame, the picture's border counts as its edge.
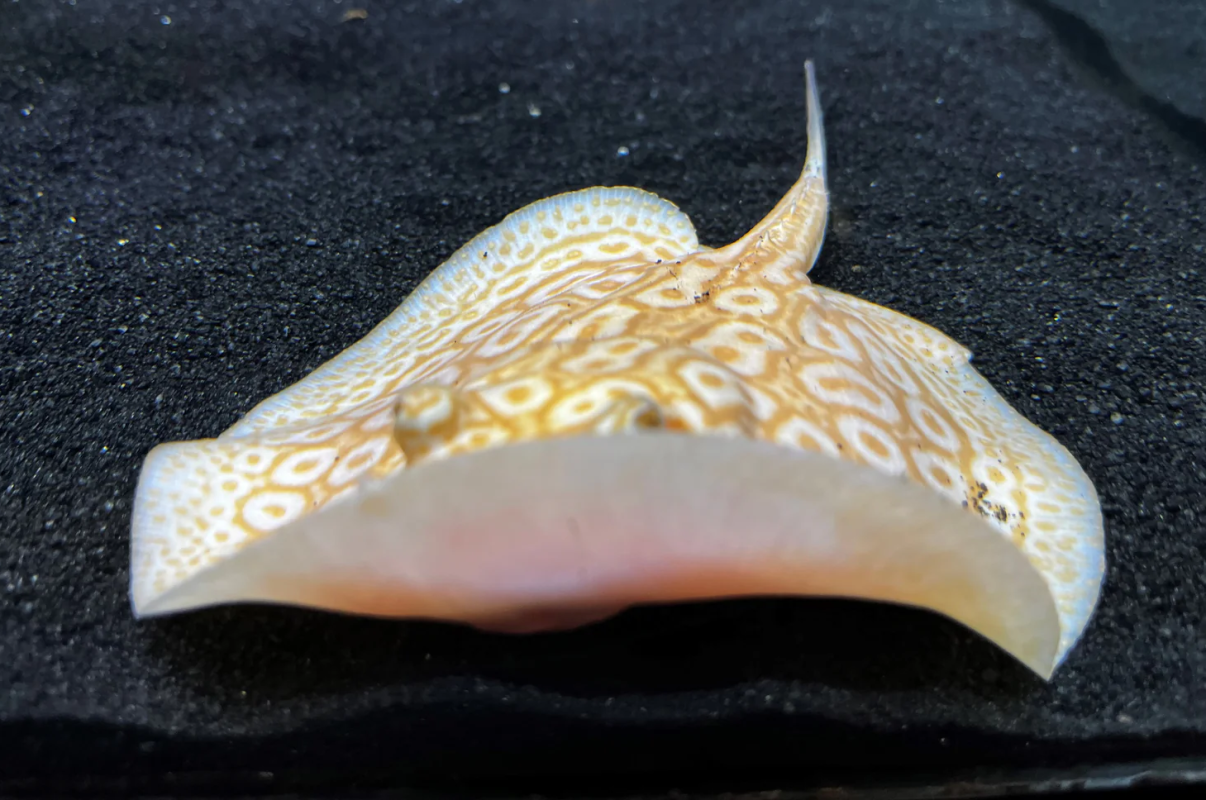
(585, 409)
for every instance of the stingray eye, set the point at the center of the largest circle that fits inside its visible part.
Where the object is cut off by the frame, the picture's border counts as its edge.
(425, 417)
(630, 413)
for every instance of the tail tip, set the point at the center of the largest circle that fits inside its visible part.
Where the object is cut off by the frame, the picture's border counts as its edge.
(815, 164)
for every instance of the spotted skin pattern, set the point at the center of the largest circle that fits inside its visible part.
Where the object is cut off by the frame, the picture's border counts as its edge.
(598, 313)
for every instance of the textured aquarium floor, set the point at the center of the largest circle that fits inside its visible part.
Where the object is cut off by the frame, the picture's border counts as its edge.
(202, 201)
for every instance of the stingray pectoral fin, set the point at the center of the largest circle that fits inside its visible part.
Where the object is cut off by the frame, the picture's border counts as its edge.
(586, 525)
(1050, 510)
(607, 234)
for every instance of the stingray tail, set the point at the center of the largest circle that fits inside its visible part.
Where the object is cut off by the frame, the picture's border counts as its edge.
(788, 240)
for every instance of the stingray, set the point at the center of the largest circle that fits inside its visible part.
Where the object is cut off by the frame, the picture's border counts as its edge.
(584, 409)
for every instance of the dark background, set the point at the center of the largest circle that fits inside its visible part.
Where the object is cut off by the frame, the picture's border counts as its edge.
(202, 201)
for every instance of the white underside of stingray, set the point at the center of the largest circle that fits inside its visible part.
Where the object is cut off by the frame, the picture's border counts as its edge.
(585, 410)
